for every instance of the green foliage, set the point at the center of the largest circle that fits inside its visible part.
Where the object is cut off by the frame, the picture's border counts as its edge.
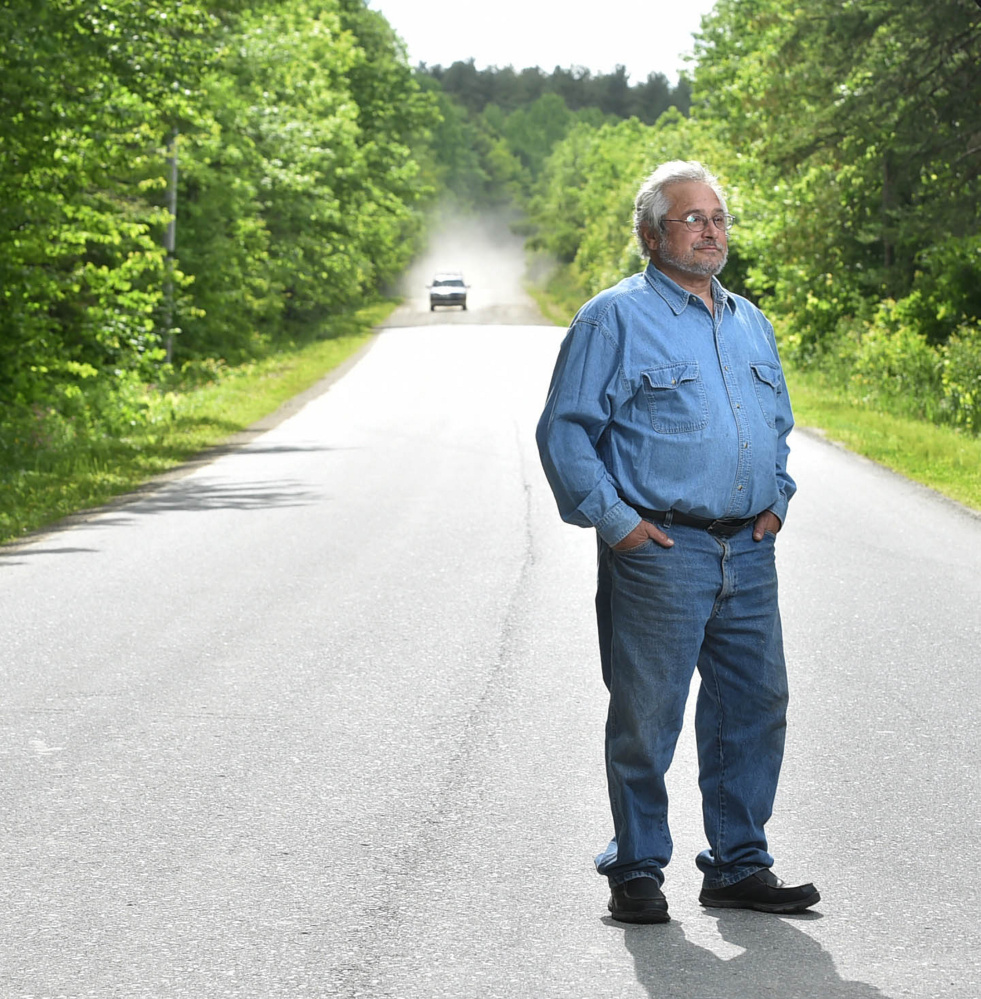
(87, 95)
(531, 132)
(582, 208)
(454, 159)
(501, 125)
(862, 119)
(846, 135)
(961, 378)
(894, 362)
(611, 94)
(301, 130)
(301, 197)
(946, 288)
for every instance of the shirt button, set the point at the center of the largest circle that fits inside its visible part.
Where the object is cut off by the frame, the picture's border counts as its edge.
(740, 489)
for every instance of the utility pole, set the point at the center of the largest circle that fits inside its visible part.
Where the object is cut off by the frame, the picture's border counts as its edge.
(170, 244)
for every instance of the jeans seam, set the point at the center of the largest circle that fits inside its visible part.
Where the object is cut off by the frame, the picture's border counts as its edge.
(720, 832)
(721, 829)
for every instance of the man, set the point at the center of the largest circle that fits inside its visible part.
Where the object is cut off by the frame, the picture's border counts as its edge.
(666, 430)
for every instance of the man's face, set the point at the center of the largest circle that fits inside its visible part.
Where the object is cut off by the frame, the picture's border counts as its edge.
(679, 251)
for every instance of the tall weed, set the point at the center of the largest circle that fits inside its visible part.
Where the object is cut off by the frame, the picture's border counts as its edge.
(961, 379)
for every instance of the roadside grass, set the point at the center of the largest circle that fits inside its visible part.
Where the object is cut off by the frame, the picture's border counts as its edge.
(939, 457)
(942, 458)
(52, 482)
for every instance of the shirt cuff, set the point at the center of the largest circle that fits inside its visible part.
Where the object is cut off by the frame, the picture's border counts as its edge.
(780, 509)
(617, 522)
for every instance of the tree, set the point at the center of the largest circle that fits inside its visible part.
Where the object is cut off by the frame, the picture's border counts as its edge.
(90, 95)
(301, 132)
(858, 122)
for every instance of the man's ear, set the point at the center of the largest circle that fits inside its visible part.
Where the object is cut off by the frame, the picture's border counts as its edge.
(650, 237)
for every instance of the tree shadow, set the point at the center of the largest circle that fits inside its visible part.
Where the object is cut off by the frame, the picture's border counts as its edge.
(778, 961)
(184, 495)
(203, 495)
(12, 556)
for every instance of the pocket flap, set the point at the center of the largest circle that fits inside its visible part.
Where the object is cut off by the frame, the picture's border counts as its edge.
(671, 375)
(767, 372)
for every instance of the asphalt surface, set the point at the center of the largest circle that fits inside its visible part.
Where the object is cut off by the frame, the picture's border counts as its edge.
(323, 717)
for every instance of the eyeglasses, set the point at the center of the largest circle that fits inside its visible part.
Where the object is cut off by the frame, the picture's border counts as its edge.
(699, 223)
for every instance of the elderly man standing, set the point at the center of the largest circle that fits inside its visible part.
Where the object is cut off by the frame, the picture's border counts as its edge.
(666, 430)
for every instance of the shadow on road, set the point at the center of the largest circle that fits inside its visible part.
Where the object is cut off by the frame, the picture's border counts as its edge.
(12, 556)
(200, 494)
(169, 492)
(778, 961)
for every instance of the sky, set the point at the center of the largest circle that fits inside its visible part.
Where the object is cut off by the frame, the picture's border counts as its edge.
(646, 36)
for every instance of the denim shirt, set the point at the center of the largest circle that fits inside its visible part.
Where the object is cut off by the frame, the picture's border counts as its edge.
(654, 403)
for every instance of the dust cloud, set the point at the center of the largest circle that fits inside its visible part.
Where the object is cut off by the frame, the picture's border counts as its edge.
(492, 260)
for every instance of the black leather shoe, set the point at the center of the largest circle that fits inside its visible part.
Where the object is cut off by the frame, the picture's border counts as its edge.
(762, 891)
(639, 900)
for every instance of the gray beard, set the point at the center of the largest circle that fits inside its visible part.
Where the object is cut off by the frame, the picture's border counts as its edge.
(690, 264)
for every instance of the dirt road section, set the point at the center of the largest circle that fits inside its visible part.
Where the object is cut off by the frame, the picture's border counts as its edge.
(492, 261)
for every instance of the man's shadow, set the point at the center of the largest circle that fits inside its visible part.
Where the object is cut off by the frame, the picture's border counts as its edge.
(779, 961)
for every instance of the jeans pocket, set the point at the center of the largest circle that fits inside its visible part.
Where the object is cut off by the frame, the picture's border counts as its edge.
(676, 398)
(643, 546)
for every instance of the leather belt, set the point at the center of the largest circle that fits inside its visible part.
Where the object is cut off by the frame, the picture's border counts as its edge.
(665, 518)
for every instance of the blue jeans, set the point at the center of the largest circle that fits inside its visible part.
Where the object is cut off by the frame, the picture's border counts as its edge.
(710, 603)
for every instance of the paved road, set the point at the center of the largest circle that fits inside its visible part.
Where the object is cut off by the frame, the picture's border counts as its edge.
(323, 718)
(492, 261)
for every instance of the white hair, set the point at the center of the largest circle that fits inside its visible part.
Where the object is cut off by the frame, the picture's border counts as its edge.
(652, 202)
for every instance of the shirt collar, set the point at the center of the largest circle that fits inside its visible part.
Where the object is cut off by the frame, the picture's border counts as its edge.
(677, 298)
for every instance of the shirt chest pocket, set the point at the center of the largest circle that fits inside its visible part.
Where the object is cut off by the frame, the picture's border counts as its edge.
(676, 398)
(766, 381)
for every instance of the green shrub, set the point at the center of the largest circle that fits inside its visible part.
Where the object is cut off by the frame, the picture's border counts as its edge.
(961, 379)
(894, 362)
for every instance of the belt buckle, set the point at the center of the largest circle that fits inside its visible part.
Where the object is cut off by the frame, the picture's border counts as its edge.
(726, 527)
